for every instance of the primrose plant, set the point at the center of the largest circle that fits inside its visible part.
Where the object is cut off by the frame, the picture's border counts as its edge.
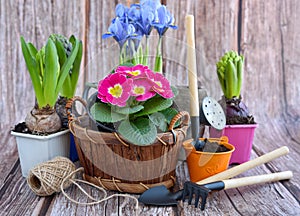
(137, 101)
(136, 22)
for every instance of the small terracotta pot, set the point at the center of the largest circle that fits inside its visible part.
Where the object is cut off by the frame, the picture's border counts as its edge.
(204, 164)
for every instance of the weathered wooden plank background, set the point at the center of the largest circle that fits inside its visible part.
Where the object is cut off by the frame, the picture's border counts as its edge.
(266, 32)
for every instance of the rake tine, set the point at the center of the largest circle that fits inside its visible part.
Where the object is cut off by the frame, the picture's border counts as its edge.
(185, 192)
(197, 197)
(190, 189)
(203, 202)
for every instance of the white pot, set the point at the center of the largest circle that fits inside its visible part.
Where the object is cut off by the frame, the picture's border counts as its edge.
(35, 149)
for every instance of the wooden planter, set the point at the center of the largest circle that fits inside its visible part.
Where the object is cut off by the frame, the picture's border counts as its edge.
(113, 164)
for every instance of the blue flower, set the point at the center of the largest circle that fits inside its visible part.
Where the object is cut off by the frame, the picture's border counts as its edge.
(164, 20)
(121, 11)
(143, 16)
(155, 4)
(120, 31)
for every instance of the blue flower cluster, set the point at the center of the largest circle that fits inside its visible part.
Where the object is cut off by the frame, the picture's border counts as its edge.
(138, 20)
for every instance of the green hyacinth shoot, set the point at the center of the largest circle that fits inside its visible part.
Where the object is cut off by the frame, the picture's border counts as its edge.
(230, 74)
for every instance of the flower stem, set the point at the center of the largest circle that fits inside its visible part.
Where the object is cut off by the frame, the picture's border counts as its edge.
(158, 58)
(146, 53)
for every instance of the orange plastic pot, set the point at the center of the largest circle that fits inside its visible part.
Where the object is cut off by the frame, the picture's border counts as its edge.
(204, 164)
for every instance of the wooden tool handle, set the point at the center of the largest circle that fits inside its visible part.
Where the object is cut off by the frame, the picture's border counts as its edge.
(245, 181)
(192, 66)
(246, 166)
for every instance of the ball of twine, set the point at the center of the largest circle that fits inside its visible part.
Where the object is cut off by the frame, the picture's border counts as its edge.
(46, 178)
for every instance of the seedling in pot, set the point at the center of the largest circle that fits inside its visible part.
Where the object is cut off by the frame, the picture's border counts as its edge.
(48, 73)
(230, 75)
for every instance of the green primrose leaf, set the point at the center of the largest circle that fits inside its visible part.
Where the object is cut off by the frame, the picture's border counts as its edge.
(154, 105)
(140, 131)
(158, 119)
(127, 110)
(169, 114)
(102, 112)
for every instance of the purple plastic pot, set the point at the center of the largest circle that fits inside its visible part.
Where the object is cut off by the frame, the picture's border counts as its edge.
(241, 137)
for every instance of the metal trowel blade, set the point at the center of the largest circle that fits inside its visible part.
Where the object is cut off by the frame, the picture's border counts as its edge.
(160, 196)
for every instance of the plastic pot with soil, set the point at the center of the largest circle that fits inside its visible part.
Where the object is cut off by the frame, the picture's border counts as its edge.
(213, 158)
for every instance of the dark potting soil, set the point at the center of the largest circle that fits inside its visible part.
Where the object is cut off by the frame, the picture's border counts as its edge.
(22, 128)
(213, 147)
(239, 120)
(60, 108)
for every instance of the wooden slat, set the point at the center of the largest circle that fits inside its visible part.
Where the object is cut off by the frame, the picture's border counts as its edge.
(269, 41)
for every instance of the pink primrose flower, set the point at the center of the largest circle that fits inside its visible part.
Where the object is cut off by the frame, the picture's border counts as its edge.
(115, 89)
(136, 71)
(161, 85)
(142, 89)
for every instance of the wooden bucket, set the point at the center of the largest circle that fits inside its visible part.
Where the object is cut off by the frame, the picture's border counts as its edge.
(113, 164)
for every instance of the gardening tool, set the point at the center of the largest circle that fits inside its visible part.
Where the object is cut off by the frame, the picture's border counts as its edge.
(193, 85)
(211, 113)
(160, 195)
(191, 189)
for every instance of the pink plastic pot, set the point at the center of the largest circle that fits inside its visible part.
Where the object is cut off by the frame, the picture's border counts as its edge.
(241, 137)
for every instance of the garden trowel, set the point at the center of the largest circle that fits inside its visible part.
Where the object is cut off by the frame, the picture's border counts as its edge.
(161, 196)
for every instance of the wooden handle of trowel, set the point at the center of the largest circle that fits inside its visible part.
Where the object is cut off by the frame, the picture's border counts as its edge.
(229, 173)
(245, 181)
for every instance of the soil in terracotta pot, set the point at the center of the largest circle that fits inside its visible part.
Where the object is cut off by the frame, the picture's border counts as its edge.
(213, 147)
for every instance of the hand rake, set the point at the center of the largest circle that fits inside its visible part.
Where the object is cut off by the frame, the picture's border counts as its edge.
(193, 190)
(161, 196)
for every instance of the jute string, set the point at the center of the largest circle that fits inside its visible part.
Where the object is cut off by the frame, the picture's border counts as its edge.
(46, 178)
(58, 174)
(95, 201)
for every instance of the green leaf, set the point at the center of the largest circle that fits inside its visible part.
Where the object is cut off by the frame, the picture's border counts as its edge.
(158, 119)
(169, 114)
(102, 112)
(33, 51)
(230, 80)
(153, 105)
(61, 52)
(75, 70)
(140, 132)
(175, 91)
(66, 67)
(127, 110)
(52, 68)
(62, 58)
(34, 73)
(240, 65)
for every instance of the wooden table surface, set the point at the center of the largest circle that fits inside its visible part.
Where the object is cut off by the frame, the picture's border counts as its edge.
(279, 198)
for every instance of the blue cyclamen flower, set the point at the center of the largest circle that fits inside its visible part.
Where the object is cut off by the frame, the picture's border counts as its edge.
(164, 20)
(120, 31)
